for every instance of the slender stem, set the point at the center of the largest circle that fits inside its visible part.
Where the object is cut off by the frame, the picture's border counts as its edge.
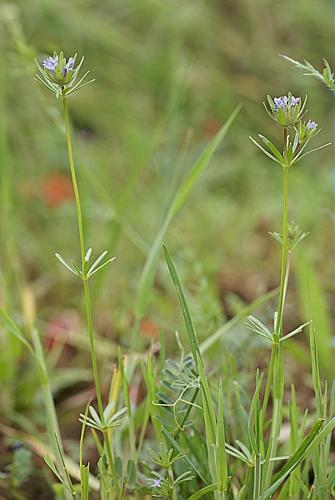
(271, 362)
(111, 461)
(74, 182)
(275, 429)
(282, 293)
(92, 349)
(171, 476)
(276, 372)
(268, 382)
(82, 253)
(257, 477)
(186, 414)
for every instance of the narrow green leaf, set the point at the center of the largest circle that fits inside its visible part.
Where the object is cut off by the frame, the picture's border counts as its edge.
(264, 150)
(220, 452)
(294, 332)
(272, 148)
(191, 333)
(201, 493)
(256, 326)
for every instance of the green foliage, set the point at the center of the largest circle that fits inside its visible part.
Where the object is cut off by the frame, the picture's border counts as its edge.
(172, 421)
(326, 77)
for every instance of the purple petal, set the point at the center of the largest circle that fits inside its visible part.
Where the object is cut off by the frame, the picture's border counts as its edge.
(70, 63)
(50, 63)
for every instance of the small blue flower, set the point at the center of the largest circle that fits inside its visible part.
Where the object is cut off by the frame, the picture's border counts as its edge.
(50, 63)
(156, 483)
(279, 103)
(69, 65)
(311, 125)
(294, 100)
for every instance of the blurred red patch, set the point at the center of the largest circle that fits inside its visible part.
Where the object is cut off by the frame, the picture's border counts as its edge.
(210, 127)
(149, 329)
(57, 189)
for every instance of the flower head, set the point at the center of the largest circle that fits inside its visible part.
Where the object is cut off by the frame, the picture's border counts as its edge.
(59, 74)
(311, 125)
(50, 63)
(156, 483)
(279, 102)
(307, 130)
(285, 110)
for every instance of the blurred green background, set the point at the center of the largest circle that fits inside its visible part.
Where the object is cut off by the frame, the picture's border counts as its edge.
(168, 75)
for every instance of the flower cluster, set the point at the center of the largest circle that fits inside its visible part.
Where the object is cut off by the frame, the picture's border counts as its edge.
(285, 101)
(286, 110)
(307, 130)
(60, 70)
(60, 75)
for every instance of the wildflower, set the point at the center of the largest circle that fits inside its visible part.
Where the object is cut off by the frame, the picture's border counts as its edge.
(311, 125)
(279, 102)
(285, 110)
(156, 483)
(50, 63)
(306, 131)
(59, 74)
(294, 100)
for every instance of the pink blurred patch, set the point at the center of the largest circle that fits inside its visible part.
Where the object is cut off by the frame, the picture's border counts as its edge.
(61, 327)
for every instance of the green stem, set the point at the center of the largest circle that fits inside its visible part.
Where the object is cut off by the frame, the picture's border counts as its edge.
(171, 476)
(257, 477)
(273, 350)
(283, 287)
(111, 462)
(276, 372)
(74, 182)
(92, 349)
(268, 382)
(82, 252)
(186, 414)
